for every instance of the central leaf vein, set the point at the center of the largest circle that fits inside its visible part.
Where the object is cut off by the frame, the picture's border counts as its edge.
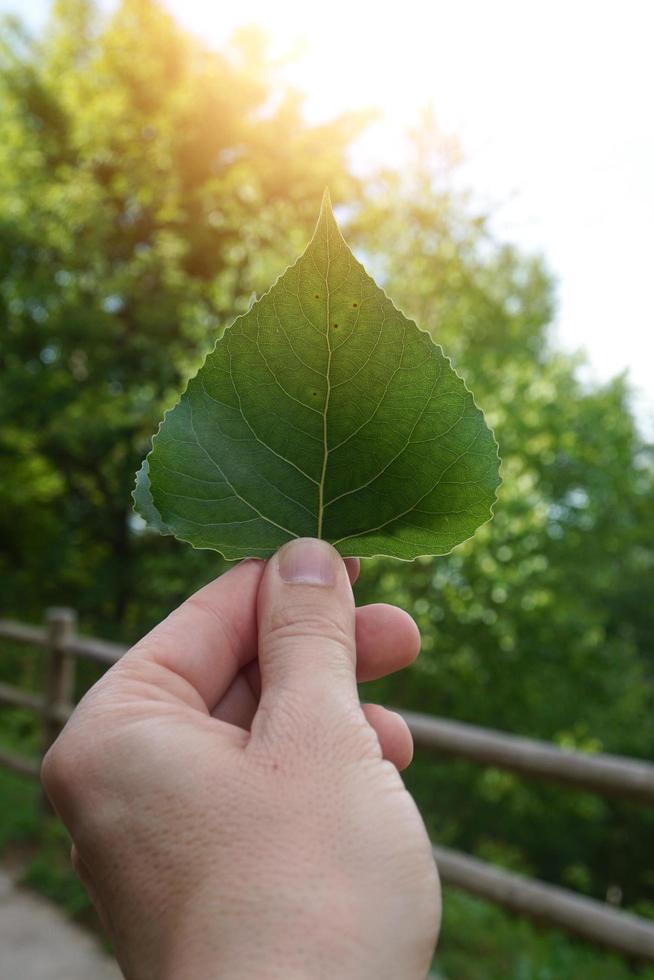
(328, 389)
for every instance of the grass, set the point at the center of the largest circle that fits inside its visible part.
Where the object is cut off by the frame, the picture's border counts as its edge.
(49, 871)
(39, 844)
(481, 942)
(20, 817)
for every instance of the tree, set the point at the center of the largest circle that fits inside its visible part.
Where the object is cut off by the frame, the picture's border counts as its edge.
(143, 180)
(538, 625)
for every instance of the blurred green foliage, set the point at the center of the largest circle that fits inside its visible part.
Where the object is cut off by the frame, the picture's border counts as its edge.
(147, 187)
(480, 942)
(541, 624)
(143, 184)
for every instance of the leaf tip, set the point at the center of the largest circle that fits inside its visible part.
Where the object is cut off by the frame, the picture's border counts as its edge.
(326, 204)
(326, 226)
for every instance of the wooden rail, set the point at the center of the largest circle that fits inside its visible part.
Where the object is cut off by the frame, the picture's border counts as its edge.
(102, 651)
(548, 904)
(605, 775)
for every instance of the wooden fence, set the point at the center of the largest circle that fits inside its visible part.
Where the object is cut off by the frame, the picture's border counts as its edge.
(546, 904)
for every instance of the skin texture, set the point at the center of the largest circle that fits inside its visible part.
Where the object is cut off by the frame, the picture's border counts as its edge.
(235, 812)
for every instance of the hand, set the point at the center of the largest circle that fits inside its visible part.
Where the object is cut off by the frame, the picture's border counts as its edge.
(236, 817)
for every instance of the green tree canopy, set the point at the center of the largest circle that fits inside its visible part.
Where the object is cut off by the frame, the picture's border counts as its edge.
(143, 180)
(540, 624)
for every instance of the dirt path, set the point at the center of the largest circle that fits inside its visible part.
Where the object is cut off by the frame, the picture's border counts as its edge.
(37, 942)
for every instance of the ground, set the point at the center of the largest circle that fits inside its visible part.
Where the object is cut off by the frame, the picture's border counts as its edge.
(37, 942)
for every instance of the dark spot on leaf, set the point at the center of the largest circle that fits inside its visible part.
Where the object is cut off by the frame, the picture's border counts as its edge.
(355, 304)
(335, 325)
(316, 296)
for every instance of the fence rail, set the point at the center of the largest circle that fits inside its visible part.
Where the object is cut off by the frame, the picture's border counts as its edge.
(605, 775)
(584, 917)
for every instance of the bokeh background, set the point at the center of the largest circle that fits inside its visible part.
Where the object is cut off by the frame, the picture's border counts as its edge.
(491, 165)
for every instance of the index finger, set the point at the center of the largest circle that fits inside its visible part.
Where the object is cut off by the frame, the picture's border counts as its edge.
(211, 636)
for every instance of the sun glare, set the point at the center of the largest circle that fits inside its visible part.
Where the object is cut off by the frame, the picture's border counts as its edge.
(551, 105)
(550, 102)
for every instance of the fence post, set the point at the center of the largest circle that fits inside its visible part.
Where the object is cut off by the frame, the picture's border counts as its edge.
(59, 673)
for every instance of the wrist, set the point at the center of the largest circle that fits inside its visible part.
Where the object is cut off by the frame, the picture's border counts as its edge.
(255, 960)
(301, 939)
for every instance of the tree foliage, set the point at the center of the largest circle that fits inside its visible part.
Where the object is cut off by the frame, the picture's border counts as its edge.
(540, 625)
(142, 182)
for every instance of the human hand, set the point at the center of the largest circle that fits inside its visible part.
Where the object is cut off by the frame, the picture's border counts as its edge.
(235, 812)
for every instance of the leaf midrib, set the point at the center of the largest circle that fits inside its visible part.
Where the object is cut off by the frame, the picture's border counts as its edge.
(328, 391)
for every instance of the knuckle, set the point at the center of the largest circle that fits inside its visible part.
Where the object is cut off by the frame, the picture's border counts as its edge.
(224, 624)
(305, 730)
(290, 625)
(62, 769)
(72, 761)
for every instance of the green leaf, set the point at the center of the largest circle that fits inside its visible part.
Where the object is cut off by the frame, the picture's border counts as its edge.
(143, 502)
(324, 412)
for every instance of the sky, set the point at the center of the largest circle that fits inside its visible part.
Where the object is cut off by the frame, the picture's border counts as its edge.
(551, 103)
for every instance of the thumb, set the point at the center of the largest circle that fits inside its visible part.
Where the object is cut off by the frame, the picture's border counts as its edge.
(307, 651)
